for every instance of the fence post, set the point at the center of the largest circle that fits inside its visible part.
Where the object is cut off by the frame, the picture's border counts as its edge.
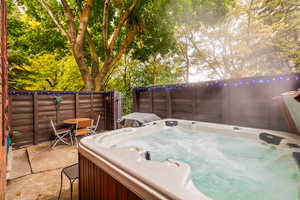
(57, 113)
(105, 111)
(35, 118)
(169, 103)
(117, 108)
(111, 110)
(76, 105)
(151, 100)
(135, 101)
(119, 105)
(92, 106)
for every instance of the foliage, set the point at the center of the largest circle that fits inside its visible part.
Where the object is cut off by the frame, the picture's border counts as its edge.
(108, 29)
(244, 43)
(132, 73)
(50, 72)
(28, 38)
(285, 17)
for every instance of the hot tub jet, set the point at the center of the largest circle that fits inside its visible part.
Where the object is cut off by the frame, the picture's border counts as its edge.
(147, 155)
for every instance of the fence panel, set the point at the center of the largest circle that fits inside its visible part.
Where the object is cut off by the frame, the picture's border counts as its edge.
(31, 111)
(244, 102)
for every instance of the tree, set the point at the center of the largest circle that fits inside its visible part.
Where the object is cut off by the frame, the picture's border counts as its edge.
(100, 32)
(243, 43)
(285, 16)
(28, 38)
(192, 16)
(132, 73)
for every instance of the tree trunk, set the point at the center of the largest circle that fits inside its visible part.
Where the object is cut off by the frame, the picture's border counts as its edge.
(99, 80)
(85, 74)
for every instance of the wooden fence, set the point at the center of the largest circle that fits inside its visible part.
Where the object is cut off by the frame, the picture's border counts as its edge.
(31, 111)
(244, 102)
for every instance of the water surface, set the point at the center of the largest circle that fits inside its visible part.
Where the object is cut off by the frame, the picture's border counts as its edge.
(226, 167)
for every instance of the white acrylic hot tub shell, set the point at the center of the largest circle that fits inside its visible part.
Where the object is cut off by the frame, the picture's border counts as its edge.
(150, 179)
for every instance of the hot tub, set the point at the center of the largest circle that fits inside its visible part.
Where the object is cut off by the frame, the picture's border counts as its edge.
(179, 159)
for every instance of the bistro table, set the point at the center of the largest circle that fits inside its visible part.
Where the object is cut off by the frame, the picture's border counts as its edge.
(75, 120)
(72, 123)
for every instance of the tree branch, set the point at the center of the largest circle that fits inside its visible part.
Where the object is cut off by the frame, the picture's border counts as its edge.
(54, 19)
(105, 26)
(84, 18)
(70, 20)
(129, 38)
(109, 62)
(93, 53)
(122, 21)
(52, 85)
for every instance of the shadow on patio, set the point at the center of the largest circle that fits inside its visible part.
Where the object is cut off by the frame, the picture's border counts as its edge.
(35, 173)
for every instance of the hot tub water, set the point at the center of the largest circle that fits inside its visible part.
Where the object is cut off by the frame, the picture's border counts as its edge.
(225, 167)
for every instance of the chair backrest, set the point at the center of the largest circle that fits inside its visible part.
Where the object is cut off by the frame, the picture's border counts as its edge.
(83, 123)
(98, 121)
(53, 127)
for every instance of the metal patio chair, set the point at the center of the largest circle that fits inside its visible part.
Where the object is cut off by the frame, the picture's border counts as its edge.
(60, 135)
(81, 129)
(72, 173)
(94, 128)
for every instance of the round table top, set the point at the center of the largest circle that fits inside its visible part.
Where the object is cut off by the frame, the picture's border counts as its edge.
(75, 120)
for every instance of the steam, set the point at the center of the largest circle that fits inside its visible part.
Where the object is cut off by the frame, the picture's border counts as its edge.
(246, 42)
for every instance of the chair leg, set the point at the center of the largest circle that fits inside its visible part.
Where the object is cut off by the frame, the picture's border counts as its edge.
(92, 132)
(61, 183)
(54, 144)
(71, 137)
(61, 138)
(76, 140)
(71, 190)
(51, 144)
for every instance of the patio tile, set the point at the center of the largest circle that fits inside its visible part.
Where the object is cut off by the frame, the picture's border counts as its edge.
(41, 159)
(20, 164)
(40, 186)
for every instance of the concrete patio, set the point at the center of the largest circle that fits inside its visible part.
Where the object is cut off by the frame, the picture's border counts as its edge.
(35, 173)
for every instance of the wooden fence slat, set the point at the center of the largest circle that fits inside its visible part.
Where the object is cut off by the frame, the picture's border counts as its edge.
(92, 106)
(105, 112)
(135, 101)
(77, 108)
(169, 103)
(57, 109)
(194, 100)
(151, 100)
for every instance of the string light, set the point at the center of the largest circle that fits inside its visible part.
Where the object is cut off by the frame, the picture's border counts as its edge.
(54, 93)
